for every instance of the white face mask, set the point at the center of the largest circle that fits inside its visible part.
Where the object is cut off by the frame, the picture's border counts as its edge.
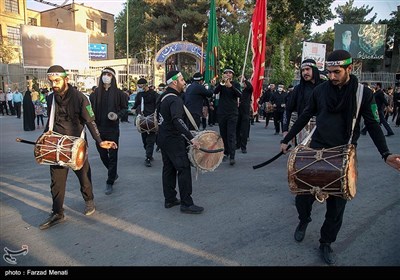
(106, 79)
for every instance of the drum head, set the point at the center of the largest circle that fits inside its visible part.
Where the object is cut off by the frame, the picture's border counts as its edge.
(204, 161)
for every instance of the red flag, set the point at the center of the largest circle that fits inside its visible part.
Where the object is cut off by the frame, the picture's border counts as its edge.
(259, 32)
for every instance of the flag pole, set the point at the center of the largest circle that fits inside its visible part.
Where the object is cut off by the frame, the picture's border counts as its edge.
(247, 51)
(201, 58)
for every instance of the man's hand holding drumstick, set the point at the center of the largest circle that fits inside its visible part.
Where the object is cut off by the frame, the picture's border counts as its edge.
(108, 145)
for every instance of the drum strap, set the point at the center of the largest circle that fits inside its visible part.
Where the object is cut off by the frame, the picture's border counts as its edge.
(188, 114)
(359, 96)
(190, 117)
(52, 117)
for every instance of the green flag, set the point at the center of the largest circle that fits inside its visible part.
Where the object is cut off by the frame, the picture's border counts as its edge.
(211, 70)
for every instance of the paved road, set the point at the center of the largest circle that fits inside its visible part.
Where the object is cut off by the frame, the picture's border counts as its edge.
(249, 216)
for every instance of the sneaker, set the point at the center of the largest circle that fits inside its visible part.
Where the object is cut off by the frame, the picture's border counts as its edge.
(300, 232)
(89, 207)
(147, 162)
(172, 204)
(192, 209)
(52, 220)
(327, 253)
(109, 189)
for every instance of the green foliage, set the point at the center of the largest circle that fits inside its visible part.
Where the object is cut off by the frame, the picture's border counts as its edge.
(348, 14)
(283, 70)
(232, 54)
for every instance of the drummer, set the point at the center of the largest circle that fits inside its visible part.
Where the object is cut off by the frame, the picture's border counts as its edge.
(173, 135)
(334, 105)
(72, 112)
(149, 97)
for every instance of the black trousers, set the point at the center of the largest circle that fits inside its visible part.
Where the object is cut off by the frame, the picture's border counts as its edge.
(333, 217)
(17, 106)
(109, 157)
(11, 106)
(58, 184)
(148, 140)
(227, 129)
(242, 131)
(176, 164)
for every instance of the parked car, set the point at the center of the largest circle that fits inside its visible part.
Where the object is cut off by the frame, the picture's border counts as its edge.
(131, 103)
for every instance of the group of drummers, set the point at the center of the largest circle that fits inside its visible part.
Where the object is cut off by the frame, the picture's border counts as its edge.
(172, 120)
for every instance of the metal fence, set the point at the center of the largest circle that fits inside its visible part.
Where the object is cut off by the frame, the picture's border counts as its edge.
(15, 76)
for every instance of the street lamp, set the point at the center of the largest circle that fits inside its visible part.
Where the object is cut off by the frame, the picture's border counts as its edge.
(183, 25)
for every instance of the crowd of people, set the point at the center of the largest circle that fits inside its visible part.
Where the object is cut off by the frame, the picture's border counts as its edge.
(181, 107)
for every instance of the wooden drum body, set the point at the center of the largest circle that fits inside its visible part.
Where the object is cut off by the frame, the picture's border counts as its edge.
(56, 149)
(147, 124)
(323, 172)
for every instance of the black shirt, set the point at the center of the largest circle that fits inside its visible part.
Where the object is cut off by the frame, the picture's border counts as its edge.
(170, 118)
(330, 127)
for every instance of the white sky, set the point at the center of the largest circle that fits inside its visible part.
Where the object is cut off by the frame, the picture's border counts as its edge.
(382, 7)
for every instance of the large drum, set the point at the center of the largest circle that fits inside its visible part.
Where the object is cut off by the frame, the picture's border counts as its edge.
(147, 124)
(53, 148)
(207, 161)
(323, 172)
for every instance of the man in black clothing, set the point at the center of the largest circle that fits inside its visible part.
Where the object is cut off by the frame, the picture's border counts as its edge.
(298, 98)
(72, 112)
(334, 105)
(227, 112)
(110, 104)
(145, 104)
(382, 103)
(194, 98)
(278, 101)
(173, 137)
(243, 123)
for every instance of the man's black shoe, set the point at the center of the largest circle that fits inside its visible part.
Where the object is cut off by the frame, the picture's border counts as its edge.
(389, 134)
(244, 151)
(172, 204)
(192, 209)
(327, 253)
(147, 162)
(232, 161)
(52, 220)
(363, 132)
(300, 232)
(109, 189)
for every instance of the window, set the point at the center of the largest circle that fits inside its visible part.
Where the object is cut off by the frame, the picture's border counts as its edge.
(32, 21)
(104, 26)
(12, 6)
(89, 24)
(13, 34)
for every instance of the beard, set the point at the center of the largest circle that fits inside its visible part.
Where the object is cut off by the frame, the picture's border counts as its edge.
(60, 89)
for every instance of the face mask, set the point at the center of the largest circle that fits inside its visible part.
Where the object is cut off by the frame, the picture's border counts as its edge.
(106, 79)
(140, 89)
(160, 92)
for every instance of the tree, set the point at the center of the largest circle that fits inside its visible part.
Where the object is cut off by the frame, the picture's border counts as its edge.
(233, 50)
(348, 14)
(7, 53)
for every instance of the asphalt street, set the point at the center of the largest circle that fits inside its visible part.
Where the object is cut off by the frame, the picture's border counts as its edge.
(249, 216)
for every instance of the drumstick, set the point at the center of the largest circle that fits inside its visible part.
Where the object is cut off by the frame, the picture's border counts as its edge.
(211, 151)
(271, 159)
(25, 141)
(202, 149)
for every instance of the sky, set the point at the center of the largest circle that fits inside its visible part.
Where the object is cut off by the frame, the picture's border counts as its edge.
(382, 7)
